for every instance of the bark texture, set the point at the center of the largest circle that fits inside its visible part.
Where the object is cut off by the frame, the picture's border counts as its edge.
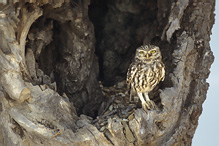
(52, 55)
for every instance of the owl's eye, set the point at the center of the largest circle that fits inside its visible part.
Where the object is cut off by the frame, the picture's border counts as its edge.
(141, 52)
(153, 51)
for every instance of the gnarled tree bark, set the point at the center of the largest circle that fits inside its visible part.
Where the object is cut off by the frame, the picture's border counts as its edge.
(52, 55)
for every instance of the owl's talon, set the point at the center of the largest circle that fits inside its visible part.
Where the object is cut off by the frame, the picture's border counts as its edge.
(148, 105)
(145, 106)
(151, 103)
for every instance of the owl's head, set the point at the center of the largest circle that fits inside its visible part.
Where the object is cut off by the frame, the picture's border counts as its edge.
(148, 54)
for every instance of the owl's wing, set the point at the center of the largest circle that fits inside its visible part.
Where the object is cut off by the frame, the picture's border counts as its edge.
(162, 71)
(131, 73)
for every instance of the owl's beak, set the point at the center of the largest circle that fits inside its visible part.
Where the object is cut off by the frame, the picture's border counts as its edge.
(147, 55)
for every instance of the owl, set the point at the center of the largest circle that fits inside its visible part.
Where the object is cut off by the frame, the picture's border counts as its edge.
(144, 73)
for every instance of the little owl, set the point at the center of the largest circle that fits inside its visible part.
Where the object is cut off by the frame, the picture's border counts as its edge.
(144, 73)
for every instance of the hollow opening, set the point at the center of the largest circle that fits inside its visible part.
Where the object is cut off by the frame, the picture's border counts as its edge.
(41, 45)
(120, 27)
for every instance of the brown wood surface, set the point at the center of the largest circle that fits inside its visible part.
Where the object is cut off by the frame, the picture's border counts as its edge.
(53, 53)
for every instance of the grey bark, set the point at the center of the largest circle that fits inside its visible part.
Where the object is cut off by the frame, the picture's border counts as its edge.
(51, 54)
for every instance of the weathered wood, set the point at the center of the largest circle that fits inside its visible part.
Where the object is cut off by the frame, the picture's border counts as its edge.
(11, 79)
(49, 71)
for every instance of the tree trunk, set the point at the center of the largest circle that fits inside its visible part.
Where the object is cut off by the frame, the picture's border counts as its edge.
(52, 55)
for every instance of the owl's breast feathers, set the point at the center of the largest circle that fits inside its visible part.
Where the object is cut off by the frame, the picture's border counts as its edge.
(144, 77)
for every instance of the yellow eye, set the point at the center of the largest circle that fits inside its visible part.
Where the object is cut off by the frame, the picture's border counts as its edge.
(141, 52)
(153, 51)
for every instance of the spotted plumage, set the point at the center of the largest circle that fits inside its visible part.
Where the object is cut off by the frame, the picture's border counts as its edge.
(144, 73)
